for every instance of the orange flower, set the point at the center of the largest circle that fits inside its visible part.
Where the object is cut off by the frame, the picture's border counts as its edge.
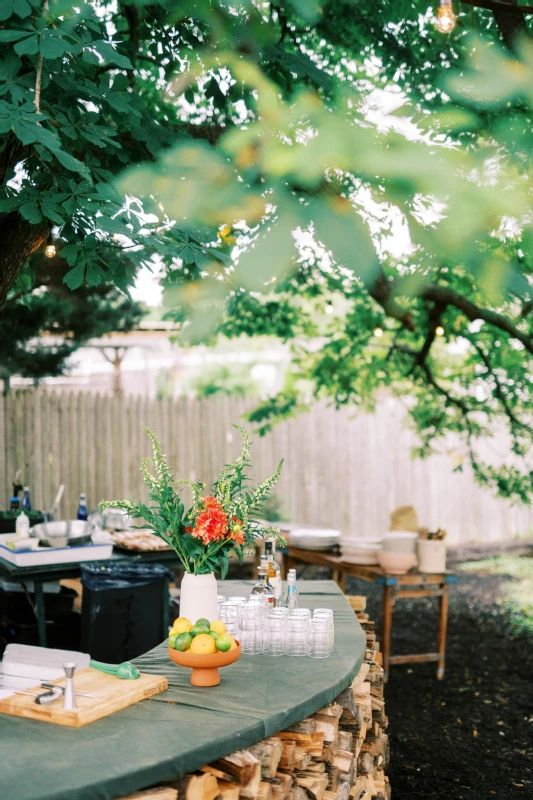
(211, 522)
(237, 534)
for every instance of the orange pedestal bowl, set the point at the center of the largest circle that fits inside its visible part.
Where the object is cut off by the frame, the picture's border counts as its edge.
(205, 667)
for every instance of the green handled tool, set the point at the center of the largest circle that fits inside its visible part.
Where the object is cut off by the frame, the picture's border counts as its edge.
(124, 670)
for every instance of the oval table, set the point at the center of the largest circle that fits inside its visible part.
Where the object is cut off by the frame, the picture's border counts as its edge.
(185, 727)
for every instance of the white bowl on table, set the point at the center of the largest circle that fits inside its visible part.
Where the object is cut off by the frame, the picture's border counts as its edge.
(400, 542)
(396, 563)
(357, 550)
(313, 538)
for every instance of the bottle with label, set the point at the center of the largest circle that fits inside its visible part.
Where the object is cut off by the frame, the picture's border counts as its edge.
(26, 500)
(82, 508)
(262, 588)
(292, 592)
(22, 526)
(274, 575)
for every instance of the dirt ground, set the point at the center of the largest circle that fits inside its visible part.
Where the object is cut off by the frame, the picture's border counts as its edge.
(471, 735)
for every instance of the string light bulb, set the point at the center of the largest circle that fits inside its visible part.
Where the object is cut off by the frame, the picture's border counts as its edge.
(446, 19)
(378, 332)
(50, 249)
(439, 330)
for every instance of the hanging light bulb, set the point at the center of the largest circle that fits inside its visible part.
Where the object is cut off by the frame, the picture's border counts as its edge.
(378, 332)
(50, 249)
(446, 19)
(439, 330)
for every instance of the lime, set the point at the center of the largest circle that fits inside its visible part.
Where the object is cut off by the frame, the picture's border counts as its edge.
(214, 634)
(196, 630)
(172, 639)
(203, 621)
(182, 642)
(223, 643)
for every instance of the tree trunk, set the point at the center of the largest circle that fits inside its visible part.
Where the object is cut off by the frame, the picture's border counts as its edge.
(19, 240)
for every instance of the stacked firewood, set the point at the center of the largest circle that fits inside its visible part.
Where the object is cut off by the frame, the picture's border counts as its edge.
(339, 753)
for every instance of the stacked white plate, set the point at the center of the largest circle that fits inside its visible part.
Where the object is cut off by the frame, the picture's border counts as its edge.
(358, 550)
(314, 538)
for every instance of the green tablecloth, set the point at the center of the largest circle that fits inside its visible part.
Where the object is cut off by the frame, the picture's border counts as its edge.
(185, 727)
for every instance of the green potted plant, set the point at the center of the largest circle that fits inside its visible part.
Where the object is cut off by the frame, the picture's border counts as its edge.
(205, 535)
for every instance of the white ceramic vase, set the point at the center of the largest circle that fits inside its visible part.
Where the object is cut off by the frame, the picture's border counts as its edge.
(198, 597)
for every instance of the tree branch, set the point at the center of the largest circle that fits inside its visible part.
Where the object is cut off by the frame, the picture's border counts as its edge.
(500, 394)
(448, 297)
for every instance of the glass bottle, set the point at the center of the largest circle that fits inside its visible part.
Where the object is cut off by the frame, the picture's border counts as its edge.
(292, 592)
(26, 500)
(274, 576)
(82, 508)
(262, 588)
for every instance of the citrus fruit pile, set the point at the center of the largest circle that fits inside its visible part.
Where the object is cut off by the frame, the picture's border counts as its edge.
(203, 638)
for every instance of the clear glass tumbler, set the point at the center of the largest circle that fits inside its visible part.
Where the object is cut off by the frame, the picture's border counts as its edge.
(229, 614)
(275, 635)
(319, 637)
(251, 631)
(297, 635)
(327, 613)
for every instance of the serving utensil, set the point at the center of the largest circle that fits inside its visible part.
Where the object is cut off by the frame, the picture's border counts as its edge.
(125, 670)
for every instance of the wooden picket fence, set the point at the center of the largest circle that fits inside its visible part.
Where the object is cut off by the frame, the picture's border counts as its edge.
(342, 470)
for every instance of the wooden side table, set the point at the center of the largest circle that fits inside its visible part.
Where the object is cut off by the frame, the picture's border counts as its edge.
(395, 587)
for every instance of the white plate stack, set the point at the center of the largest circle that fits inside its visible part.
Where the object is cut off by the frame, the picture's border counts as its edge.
(359, 550)
(314, 538)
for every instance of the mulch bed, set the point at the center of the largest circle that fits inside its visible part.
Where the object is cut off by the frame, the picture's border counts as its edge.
(471, 735)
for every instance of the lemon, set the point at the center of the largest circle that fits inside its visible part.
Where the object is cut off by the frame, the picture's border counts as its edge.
(203, 644)
(218, 626)
(182, 625)
(233, 643)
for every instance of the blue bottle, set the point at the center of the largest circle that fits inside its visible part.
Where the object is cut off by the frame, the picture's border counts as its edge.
(82, 508)
(26, 500)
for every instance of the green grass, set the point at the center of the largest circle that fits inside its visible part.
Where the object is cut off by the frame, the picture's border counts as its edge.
(517, 594)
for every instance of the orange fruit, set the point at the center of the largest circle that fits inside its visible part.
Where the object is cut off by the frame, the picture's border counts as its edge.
(203, 644)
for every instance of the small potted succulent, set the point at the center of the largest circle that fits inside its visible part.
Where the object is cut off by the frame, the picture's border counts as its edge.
(216, 526)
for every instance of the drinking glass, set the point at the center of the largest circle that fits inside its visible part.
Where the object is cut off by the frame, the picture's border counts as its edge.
(297, 627)
(275, 635)
(319, 637)
(237, 599)
(251, 632)
(229, 614)
(327, 613)
(221, 598)
(305, 613)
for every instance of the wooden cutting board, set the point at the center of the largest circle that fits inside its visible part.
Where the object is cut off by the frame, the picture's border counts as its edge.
(110, 695)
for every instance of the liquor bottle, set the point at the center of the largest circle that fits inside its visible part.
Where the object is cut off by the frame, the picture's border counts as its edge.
(292, 592)
(82, 508)
(262, 588)
(26, 500)
(274, 576)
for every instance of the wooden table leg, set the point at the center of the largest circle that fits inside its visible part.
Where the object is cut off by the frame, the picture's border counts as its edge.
(442, 629)
(386, 626)
(40, 612)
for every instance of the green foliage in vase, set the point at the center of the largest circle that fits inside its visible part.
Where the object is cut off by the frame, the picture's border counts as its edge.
(214, 527)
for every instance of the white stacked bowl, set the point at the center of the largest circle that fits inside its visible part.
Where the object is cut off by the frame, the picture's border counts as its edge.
(358, 550)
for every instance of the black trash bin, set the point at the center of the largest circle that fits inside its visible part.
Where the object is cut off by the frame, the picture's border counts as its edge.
(124, 609)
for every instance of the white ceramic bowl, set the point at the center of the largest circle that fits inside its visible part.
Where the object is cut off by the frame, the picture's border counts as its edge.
(396, 563)
(400, 542)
